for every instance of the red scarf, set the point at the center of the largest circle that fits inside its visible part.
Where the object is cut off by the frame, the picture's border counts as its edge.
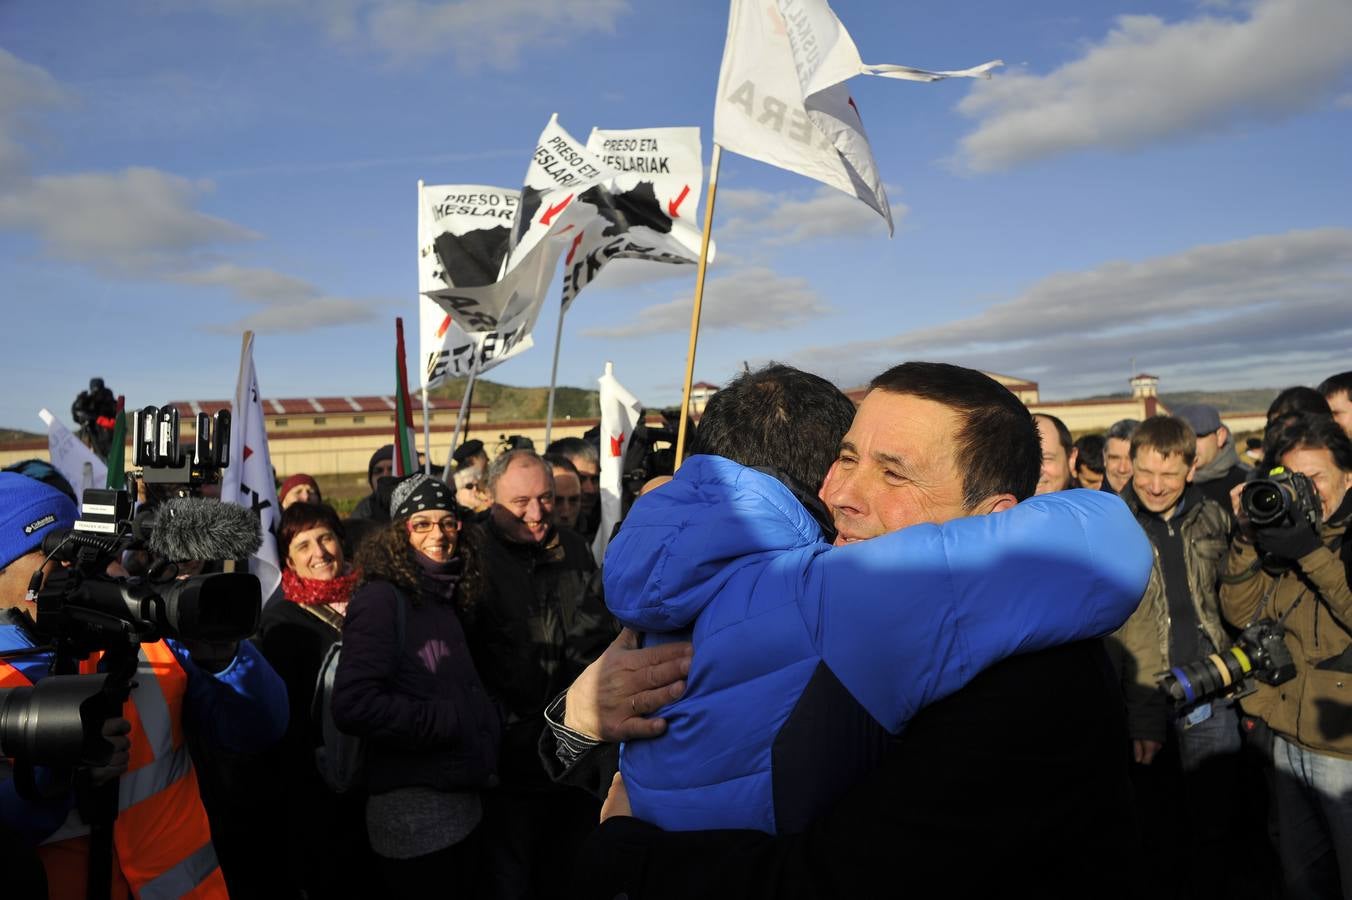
(312, 591)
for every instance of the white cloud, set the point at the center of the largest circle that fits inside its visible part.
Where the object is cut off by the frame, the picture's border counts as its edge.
(289, 303)
(783, 219)
(752, 299)
(1150, 80)
(25, 90)
(474, 33)
(1234, 310)
(133, 221)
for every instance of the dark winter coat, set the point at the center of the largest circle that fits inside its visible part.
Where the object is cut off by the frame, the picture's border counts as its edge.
(422, 707)
(541, 622)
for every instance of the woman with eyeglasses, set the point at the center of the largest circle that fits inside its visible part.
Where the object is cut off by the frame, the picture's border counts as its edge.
(406, 683)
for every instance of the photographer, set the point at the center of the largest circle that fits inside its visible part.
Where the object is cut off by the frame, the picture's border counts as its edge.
(1295, 572)
(223, 693)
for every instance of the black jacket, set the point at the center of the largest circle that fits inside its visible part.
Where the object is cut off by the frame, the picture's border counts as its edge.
(541, 622)
(421, 706)
(1015, 785)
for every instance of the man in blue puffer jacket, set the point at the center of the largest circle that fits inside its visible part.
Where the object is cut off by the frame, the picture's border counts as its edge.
(808, 656)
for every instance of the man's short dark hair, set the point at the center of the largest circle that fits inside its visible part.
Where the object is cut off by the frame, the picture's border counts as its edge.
(1311, 432)
(1091, 452)
(1166, 435)
(1062, 432)
(1298, 400)
(574, 448)
(1335, 385)
(780, 418)
(998, 450)
(559, 461)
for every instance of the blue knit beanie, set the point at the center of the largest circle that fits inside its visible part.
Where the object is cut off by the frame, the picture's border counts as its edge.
(28, 510)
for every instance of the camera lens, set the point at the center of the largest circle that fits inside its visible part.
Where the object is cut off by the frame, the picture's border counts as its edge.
(1263, 502)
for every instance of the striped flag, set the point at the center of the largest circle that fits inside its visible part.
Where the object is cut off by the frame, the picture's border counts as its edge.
(117, 452)
(405, 447)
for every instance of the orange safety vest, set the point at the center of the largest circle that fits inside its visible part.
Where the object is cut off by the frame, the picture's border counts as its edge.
(161, 838)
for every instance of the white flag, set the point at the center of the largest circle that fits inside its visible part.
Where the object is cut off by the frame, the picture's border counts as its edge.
(646, 207)
(623, 194)
(248, 479)
(782, 97)
(448, 351)
(464, 232)
(77, 463)
(620, 415)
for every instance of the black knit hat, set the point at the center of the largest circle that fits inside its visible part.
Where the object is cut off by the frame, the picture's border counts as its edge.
(418, 493)
(384, 453)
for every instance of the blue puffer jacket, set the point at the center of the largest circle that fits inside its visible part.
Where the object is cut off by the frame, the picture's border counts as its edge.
(805, 653)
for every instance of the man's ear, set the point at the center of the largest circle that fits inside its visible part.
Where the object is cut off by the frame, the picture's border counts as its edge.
(1222, 436)
(1074, 460)
(995, 503)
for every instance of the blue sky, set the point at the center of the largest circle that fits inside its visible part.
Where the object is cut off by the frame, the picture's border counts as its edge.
(1163, 181)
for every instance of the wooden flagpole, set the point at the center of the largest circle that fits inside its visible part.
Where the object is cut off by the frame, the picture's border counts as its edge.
(427, 418)
(699, 300)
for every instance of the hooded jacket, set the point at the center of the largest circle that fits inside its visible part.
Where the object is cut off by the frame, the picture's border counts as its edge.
(807, 655)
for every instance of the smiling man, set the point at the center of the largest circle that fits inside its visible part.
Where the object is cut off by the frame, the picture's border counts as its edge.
(1059, 454)
(539, 623)
(807, 655)
(1196, 780)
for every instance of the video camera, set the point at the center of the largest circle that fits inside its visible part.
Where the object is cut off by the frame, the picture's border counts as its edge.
(82, 610)
(1259, 653)
(1281, 498)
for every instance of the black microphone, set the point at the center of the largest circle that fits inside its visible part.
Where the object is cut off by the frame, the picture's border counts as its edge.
(187, 528)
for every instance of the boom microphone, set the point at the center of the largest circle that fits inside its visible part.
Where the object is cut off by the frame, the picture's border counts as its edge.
(187, 528)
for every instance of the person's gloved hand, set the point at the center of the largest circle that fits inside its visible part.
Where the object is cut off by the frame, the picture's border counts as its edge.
(1290, 542)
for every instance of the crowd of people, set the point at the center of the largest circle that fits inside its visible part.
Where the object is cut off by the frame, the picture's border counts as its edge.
(932, 640)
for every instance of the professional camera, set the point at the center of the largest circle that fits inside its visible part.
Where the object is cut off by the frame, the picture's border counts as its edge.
(58, 722)
(1281, 498)
(1258, 653)
(82, 609)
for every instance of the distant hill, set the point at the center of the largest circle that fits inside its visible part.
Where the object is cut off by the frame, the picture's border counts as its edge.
(1246, 400)
(14, 434)
(508, 404)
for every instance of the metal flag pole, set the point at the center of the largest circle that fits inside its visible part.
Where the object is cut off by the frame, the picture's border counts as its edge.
(554, 375)
(464, 412)
(699, 300)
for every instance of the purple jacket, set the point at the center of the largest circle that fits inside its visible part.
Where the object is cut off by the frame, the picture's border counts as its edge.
(422, 708)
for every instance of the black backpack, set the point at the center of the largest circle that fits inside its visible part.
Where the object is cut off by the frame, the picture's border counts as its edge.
(341, 757)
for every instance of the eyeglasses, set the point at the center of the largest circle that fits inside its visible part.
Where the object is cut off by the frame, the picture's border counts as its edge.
(450, 525)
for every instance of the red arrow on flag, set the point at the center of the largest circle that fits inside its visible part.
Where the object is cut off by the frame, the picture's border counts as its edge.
(616, 443)
(674, 205)
(554, 211)
(445, 323)
(248, 451)
(572, 251)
